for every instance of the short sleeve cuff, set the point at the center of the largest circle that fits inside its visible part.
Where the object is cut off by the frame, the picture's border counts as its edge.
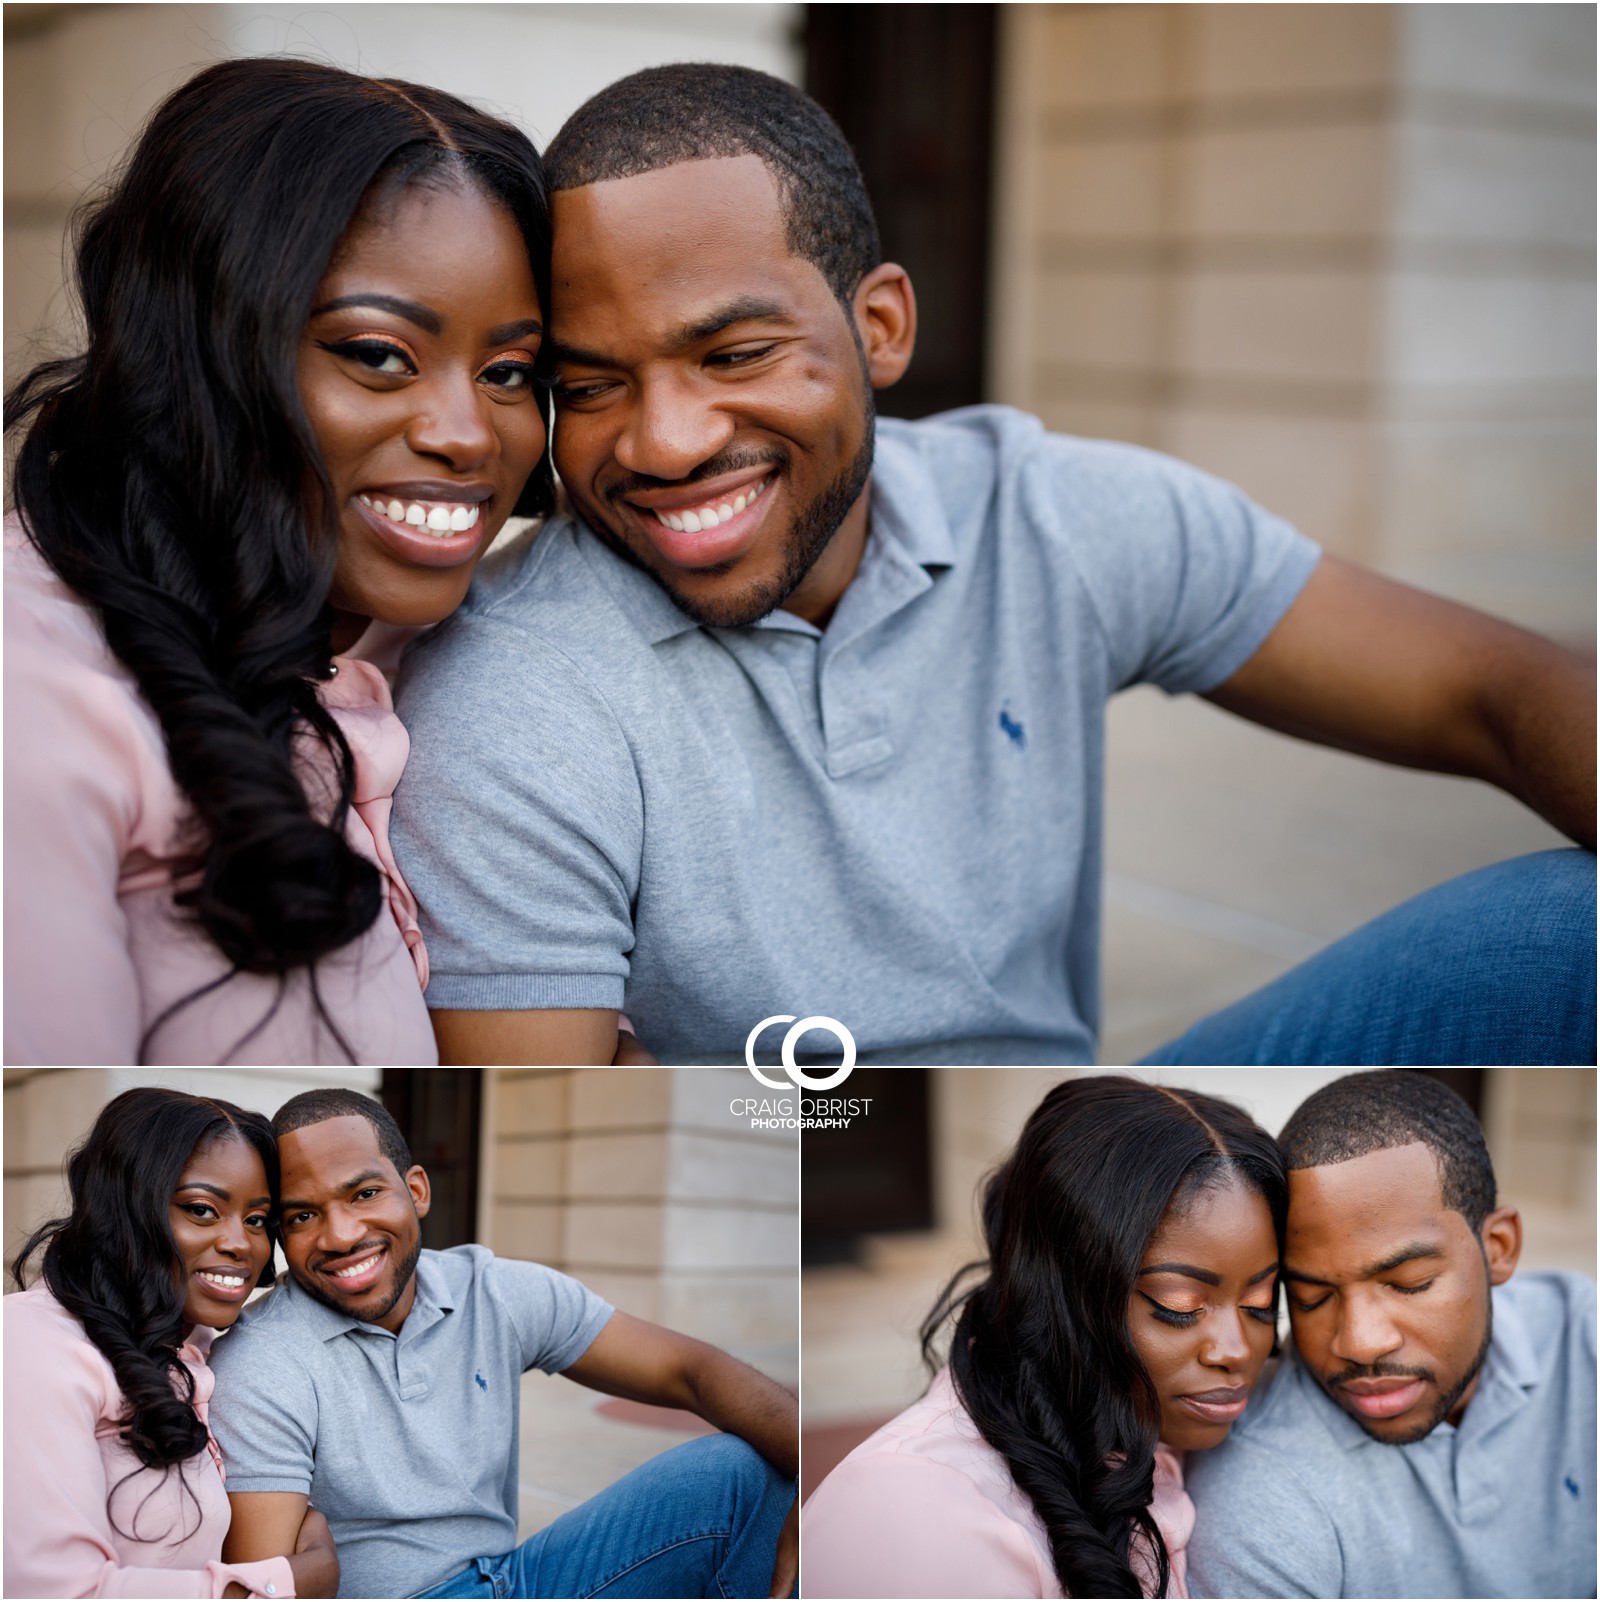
(1223, 658)
(524, 992)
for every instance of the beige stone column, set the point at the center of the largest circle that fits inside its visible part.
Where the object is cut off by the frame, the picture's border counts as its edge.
(643, 1184)
(1340, 254)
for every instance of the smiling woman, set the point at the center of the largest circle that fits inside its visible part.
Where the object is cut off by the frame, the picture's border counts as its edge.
(305, 406)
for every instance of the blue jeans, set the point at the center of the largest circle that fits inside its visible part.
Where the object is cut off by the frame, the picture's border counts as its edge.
(1495, 967)
(700, 1520)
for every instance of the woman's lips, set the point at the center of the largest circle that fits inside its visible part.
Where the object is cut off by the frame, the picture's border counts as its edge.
(217, 1283)
(1382, 1398)
(423, 547)
(1217, 1407)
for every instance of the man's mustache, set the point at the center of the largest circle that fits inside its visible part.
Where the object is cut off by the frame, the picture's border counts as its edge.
(1380, 1371)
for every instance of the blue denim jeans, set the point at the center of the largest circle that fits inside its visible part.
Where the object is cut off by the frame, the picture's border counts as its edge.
(1495, 967)
(700, 1520)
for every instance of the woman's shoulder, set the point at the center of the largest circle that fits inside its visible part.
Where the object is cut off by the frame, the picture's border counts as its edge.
(71, 705)
(922, 1505)
(48, 1355)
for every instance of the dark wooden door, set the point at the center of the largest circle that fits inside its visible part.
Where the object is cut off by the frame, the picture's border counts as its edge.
(438, 1111)
(912, 86)
(877, 1175)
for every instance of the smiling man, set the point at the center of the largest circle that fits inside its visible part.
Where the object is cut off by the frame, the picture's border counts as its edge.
(381, 1384)
(1434, 1433)
(804, 713)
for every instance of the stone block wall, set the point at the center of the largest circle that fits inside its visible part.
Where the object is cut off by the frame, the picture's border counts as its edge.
(1342, 255)
(643, 1184)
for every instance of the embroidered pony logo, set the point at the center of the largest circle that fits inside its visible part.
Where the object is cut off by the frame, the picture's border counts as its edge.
(481, 1383)
(1013, 730)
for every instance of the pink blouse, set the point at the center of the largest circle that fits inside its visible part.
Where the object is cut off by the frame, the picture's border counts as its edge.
(927, 1508)
(64, 1455)
(95, 948)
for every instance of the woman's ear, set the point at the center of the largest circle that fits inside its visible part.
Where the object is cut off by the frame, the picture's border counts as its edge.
(885, 307)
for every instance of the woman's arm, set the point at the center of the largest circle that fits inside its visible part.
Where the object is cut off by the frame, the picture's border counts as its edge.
(58, 1535)
(70, 799)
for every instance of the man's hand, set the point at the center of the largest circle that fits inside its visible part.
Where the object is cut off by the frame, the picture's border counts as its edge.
(268, 1524)
(787, 1569)
(1372, 666)
(315, 1559)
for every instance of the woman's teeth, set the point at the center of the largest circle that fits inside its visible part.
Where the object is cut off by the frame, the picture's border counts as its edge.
(436, 517)
(712, 513)
(222, 1281)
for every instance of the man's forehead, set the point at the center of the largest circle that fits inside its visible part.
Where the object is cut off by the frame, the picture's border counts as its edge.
(1394, 1191)
(720, 182)
(331, 1147)
(677, 218)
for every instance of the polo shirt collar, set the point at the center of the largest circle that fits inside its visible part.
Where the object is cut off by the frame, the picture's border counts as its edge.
(906, 511)
(432, 1301)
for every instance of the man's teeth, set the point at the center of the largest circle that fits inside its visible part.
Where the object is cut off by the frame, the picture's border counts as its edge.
(223, 1281)
(437, 517)
(357, 1268)
(712, 513)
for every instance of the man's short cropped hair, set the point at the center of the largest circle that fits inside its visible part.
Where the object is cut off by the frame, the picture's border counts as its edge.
(318, 1106)
(693, 111)
(1369, 1112)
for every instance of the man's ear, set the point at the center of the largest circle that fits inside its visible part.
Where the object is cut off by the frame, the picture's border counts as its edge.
(421, 1192)
(885, 307)
(1502, 1243)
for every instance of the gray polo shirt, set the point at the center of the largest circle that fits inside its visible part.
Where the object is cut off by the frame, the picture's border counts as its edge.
(895, 822)
(406, 1443)
(1301, 1501)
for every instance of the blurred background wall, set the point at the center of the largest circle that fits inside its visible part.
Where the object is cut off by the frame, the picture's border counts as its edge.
(1341, 254)
(890, 1205)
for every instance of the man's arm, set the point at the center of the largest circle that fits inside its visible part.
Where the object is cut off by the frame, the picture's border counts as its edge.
(1372, 666)
(568, 1036)
(565, 1036)
(646, 1363)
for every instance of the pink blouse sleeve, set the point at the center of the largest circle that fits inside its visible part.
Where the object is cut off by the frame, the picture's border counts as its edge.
(906, 1526)
(70, 802)
(58, 1538)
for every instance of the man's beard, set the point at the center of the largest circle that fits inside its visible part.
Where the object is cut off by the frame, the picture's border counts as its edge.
(813, 526)
(1446, 1404)
(408, 1267)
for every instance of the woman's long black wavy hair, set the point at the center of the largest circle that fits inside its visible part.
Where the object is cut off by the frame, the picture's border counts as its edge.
(113, 1263)
(170, 476)
(1041, 1356)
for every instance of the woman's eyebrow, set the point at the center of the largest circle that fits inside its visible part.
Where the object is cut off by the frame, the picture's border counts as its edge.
(1188, 1270)
(426, 320)
(224, 1195)
(506, 332)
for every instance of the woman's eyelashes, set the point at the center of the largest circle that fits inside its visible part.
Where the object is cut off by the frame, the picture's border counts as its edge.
(207, 1214)
(376, 355)
(510, 374)
(1266, 1313)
